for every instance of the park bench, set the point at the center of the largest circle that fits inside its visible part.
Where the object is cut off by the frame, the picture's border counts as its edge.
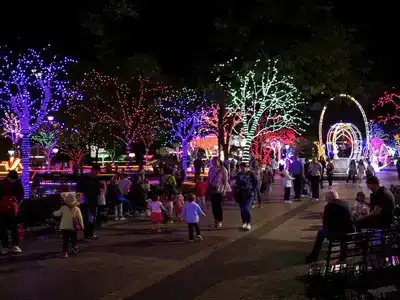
(372, 262)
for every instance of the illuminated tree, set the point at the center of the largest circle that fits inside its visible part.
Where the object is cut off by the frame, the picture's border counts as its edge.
(376, 130)
(73, 144)
(183, 116)
(32, 86)
(390, 102)
(47, 139)
(262, 144)
(129, 111)
(12, 129)
(230, 121)
(265, 94)
(148, 140)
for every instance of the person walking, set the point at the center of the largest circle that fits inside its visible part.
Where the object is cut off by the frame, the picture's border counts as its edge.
(217, 188)
(286, 183)
(352, 171)
(71, 221)
(190, 213)
(329, 171)
(256, 169)
(246, 187)
(267, 180)
(360, 172)
(315, 170)
(323, 164)
(89, 186)
(11, 194)
(297, 170)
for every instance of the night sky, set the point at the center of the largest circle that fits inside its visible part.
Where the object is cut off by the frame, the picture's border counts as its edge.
(179, 34)
(171, 30)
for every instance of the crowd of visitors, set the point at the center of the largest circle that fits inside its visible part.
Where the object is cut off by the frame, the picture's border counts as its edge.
(248, 184)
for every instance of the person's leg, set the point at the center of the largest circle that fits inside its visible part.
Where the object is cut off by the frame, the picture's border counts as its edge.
(190, 227)
(354, 179)
(286, 194)
(242, 213)
(329, 177)
(12, 226)
(247, 210)
(3, 233)
(66, 236)
(197, 228)
(321, 179)
(258, 193)
(116, 212)
(203, 203)
(121, 210)
(319, 239)
(74, 238)
(297, 186)
(348, 178)
(219, 210)
(317, 189)
(214, 206)
(313, 183)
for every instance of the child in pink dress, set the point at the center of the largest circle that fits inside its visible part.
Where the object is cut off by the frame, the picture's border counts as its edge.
(179, 206)
(156, 216)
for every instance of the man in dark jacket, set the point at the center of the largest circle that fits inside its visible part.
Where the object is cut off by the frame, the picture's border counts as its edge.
(337, 223)
(89, 186)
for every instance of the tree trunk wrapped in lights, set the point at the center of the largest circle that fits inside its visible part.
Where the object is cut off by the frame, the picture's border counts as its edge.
(263, 92)
(32, 86)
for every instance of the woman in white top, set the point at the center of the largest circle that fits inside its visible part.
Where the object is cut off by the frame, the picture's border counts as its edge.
(286, 184)
(360, 171)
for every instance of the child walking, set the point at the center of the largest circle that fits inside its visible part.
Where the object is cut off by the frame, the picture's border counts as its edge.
(179, 206)
(286, 184)
(156, 216)
(191, 213)
(201, 189)
(71, 221)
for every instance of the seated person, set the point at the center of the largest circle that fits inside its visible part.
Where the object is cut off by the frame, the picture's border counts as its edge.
(336, 224)
(382, 205)
(361, 206)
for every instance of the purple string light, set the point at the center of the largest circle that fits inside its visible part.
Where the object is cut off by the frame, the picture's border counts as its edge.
(31, 87)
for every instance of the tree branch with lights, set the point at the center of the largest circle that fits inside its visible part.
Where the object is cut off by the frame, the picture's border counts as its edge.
(183, 116)
(12, 130)
(32, 85)
(129, 111)
(263, 92)
(390, 102)
(73, 144)
(230, 121)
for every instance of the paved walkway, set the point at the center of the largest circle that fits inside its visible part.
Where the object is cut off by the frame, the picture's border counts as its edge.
(129, 263)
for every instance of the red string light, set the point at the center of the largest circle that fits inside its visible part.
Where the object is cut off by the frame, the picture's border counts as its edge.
(390, 102)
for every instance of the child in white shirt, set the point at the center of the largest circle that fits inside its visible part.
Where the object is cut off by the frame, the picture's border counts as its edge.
(361, 206)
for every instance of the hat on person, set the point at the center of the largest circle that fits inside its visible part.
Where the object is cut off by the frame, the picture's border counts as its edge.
(71, 199)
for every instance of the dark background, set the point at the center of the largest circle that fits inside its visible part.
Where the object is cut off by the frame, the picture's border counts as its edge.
(184, 39)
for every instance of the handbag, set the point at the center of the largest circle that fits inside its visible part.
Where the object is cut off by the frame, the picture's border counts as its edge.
(8, 204)
(76, 224)
(213, 189)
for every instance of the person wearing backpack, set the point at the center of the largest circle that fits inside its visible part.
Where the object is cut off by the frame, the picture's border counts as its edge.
(246, 186)
(11, 193)
(71, 221)
(169, 190)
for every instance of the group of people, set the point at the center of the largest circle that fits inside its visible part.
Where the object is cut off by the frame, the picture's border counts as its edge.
(339, 219)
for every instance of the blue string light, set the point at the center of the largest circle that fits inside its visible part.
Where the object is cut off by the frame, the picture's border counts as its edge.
(31, 87)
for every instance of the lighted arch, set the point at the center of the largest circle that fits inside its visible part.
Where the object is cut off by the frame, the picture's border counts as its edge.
(321, 118)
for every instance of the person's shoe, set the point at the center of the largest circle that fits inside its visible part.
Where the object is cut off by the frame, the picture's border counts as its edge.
(316, 199)
(244, 226)
(4, 251)
(16, 250)
(159, 231)
(289, 202)
(93, 237)
(200, 237)
(311, 258)
(253, 206)
(122, 219)
(219, 225)
(64, 255)
(259, 205)
(191, 241)
(116, 219)
(248, 227)
(75, 250)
